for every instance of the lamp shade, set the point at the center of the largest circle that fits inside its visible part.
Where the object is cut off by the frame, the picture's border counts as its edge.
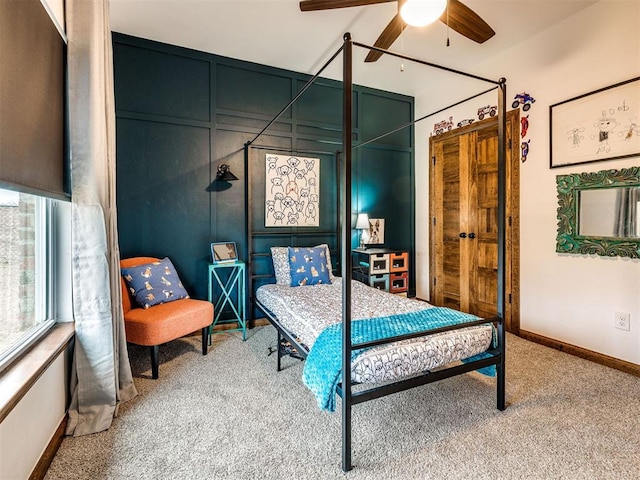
(224, 174)
(419, 13)
(362, 222)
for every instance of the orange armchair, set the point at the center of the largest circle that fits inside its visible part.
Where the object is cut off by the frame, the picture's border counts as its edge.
(162, 323)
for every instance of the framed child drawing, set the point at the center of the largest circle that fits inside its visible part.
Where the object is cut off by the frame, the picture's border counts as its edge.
(599, 125)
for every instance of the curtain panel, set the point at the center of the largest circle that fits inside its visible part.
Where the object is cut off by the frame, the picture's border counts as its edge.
(626, 216)
(101, 374)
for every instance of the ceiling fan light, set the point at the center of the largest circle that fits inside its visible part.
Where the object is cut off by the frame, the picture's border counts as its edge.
(419, 13)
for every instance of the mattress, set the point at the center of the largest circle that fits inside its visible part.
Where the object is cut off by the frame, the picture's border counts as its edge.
(306, 311)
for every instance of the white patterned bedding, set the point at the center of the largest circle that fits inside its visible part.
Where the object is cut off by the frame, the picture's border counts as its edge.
(306, 311)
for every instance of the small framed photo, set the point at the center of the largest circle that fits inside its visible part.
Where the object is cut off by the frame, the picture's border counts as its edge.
(224, 252)
(376, 232)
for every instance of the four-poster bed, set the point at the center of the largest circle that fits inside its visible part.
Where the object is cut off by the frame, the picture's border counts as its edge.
(276, 303)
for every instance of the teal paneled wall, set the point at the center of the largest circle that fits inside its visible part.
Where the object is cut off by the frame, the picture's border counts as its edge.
(320, 104)
(380, 114)
(180, 113)
(242, 90)
(158, 83)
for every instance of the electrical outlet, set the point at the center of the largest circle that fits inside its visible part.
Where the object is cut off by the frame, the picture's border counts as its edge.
(623, 321)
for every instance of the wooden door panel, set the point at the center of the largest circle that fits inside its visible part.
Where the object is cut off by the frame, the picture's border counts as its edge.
(485, 310)
(484, 288)
(487, 222)
(448, 302)
(451, 285)
(449, 281)
(484, 278)
(450, 171)
(487, 190)
(487, 256)
(451, 223)
(485, 292)
(445, 225)
(463, 198)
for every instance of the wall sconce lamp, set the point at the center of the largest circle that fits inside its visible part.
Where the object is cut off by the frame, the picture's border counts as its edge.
(224, 174)
(419, 13)
(362, 224)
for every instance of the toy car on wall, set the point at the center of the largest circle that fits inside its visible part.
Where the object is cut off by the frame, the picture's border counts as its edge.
(487, 110)
(465, 122)
(442, 126)
(524, 125)
(524, 147)
(523, 99)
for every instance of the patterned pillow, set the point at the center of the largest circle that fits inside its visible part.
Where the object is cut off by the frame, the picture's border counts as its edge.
(280, 257)
(329, 265)
(308, 266)
(154, 283)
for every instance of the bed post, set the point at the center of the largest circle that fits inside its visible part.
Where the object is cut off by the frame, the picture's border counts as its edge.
(248, 302)
(338, 166)
(502, 178)
(347, 86)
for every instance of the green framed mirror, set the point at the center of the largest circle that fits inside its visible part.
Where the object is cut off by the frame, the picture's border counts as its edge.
(599, 213)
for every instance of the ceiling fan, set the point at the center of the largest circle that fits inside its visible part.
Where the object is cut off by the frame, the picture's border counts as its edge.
(456, 15)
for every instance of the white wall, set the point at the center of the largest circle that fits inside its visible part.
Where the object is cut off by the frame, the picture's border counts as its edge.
(571, 298)
(29, 427)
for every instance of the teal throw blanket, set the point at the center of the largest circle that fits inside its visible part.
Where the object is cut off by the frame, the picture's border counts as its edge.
(323, 366)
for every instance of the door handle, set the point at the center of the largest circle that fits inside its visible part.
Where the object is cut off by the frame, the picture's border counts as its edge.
(472, 235)
(463, 235)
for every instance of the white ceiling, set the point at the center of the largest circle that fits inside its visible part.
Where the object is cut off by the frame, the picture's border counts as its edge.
(277, 33)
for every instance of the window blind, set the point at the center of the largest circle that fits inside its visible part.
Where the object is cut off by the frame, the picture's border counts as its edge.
(32, 100)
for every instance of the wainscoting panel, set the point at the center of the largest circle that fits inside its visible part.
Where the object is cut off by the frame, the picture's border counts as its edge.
(180, 113)
(155, 82)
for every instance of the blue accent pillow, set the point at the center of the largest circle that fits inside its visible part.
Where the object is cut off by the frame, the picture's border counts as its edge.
(154, 283)
(308, 266)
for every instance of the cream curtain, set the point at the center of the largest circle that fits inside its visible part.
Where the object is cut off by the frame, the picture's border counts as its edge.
(626, 216)
(101, 376)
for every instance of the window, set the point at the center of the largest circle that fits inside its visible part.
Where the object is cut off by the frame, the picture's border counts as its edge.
(26, 269)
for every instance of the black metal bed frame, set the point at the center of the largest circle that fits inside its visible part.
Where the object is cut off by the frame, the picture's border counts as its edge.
(496, 355)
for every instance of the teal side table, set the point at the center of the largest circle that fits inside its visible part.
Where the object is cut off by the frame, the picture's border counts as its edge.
(228, 280)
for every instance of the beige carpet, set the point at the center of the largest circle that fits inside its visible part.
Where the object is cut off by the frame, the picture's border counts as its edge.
(231, 415)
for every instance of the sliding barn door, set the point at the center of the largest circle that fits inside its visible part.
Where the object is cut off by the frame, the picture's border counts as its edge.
(464, 223)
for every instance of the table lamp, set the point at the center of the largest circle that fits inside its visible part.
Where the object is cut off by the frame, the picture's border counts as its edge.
(362, 224)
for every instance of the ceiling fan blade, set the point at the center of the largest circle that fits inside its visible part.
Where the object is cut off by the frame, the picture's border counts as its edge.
(466, 22)
(387, 37)
(311, 5)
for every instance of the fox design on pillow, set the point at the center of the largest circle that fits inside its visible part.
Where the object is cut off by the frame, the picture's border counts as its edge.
(308, 266)
(142, 281)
